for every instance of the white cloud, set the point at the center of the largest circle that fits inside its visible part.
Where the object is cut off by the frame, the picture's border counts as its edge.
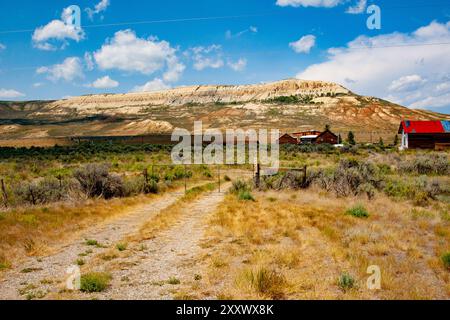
(104, 83)
(57, 31)
(376, 63)
(230, 35)
(443, 87)
(174, 69)
(99, 7)
(37, 85)
(304, 45)
(69, 70)
(203, 63)
(309, 3)
(89, 61)
(2, 47)
(154, 85)
(238, 65)
(406, 83)
(359, 7)
(126, 52)
(10, 94)
(207, 57)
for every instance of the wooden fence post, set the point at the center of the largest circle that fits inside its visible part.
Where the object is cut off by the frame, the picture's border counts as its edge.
(5, 195)
(257, 175)
(304, 176)
(185, 179)
(33, 200)
(145, 174)
(218, 174)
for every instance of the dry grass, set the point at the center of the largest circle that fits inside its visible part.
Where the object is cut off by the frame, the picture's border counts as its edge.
(298, 245)
(170, 215)
(34, 231)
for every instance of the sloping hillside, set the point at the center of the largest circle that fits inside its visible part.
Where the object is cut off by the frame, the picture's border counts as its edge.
(288, 105)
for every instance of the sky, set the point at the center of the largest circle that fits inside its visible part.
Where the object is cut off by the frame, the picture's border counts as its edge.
(134, 45)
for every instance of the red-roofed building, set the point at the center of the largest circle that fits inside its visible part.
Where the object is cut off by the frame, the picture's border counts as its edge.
(425, 134)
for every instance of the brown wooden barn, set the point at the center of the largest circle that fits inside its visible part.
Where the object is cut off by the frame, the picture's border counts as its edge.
(425, 134)
(327, 137)
(288, 139)
(309, 137)
(298, 135)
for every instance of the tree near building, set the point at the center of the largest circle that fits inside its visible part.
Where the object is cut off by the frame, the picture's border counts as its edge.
(396, 140)
(351, 138)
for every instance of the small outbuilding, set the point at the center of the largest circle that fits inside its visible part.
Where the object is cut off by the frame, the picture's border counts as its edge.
(425, 134)
(327, 137)
(288, 139)
(309, 137)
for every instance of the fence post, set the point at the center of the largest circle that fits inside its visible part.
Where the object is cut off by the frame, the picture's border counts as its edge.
(5, 195)
(257, 175)
(185, 179)
(33, 200)
(145, 174)
(304, 176)
(218, 174)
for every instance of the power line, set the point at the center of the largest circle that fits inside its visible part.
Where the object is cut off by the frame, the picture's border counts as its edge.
(152, 22)
(206, 18)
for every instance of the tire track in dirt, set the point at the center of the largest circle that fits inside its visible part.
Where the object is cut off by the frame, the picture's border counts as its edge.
(144, 274)
(40, 274)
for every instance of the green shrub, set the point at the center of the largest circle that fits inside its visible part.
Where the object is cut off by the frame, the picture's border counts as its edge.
(246, 196)
(91, 242)
(265, 281)
(4, 265)
(121, 246)
(427, 164)
(358, 211)
(42, 191)
(169, 176)
(154, 176)
(80, 262)
(398, 189)
(350, 178)
(133, 186)
(346, 282)
(96, 181)
(95, 282)
(173, 281)
(446, 260)
(151, 187)
(239, 186)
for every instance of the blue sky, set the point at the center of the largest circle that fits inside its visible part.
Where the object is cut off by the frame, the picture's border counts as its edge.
(236, 42)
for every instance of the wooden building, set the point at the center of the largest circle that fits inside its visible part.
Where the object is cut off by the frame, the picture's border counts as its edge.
(288, 139)
(298, 135)
(309, 137)
(327, 137)
(425, 134)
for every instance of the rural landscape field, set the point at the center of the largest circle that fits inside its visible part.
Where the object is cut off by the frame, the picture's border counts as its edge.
(354, 203)
(141, 228)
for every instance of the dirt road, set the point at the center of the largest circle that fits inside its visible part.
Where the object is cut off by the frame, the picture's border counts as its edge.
(140, 274)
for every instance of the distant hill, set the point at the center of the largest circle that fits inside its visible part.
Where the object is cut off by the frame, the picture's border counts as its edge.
(289, 105)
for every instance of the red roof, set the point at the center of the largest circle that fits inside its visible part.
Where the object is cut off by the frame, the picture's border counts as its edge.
(423, 126)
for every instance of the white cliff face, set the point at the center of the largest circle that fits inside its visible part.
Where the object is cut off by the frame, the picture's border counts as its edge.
(221, 107)
(127, 103)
